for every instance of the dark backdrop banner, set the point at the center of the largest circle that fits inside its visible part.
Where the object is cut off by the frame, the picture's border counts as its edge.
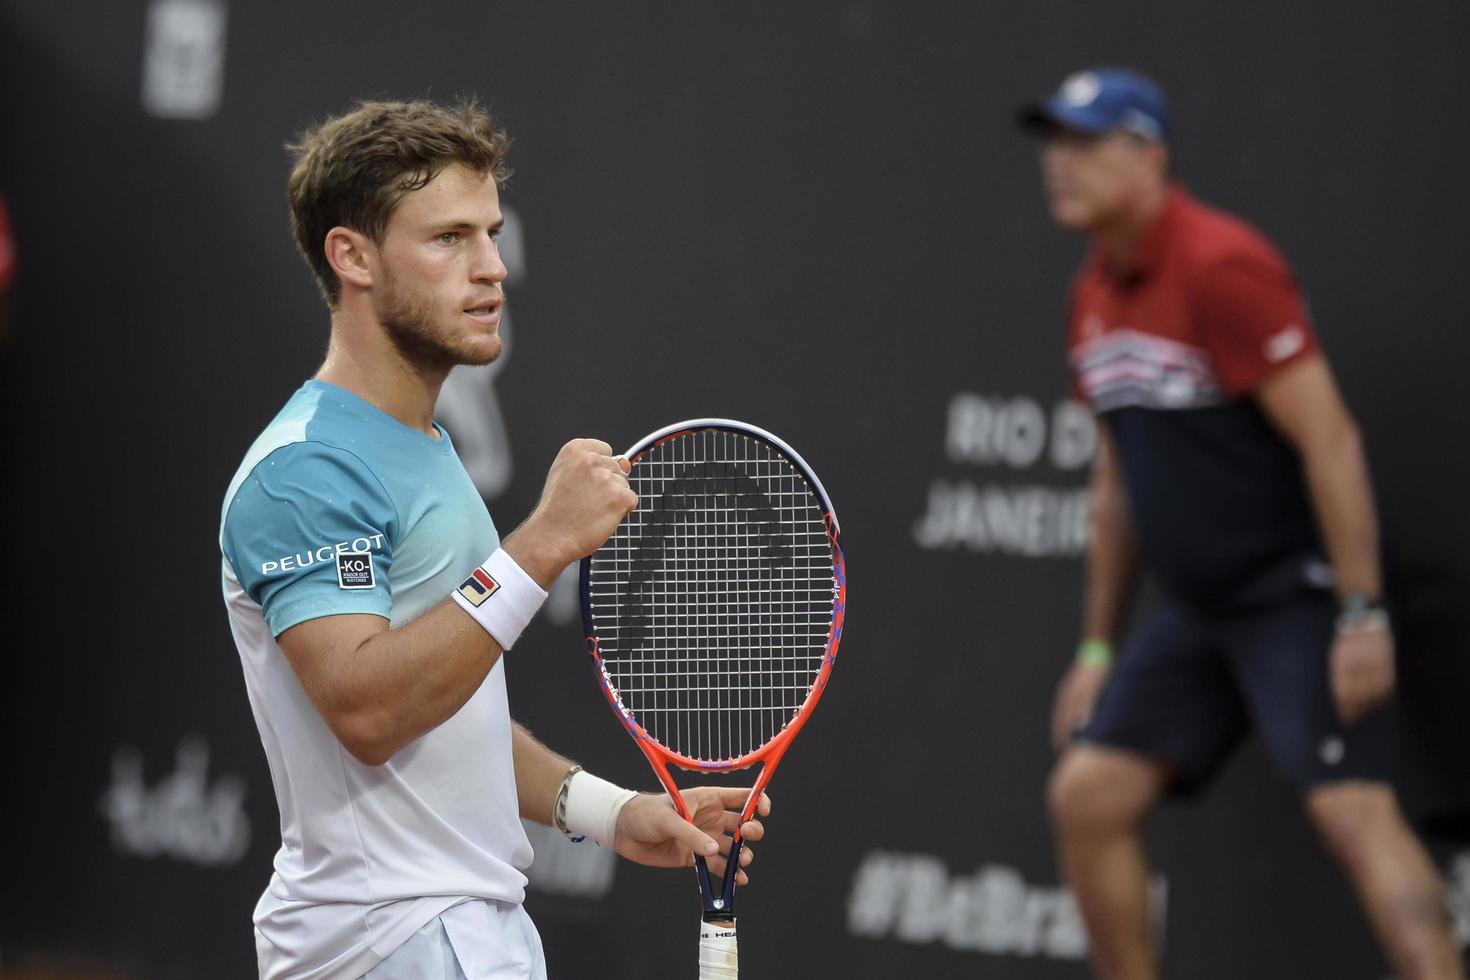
(815, 217)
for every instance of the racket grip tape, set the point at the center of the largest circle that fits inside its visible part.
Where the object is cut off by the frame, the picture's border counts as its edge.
(718, 958)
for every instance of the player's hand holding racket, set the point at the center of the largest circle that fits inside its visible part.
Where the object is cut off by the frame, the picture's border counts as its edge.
(650, 830)
(714, 613)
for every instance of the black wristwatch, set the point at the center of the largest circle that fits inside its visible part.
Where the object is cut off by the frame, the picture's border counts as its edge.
(1360, 611)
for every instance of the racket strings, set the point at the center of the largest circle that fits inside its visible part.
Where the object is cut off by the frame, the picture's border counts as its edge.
(713, 602)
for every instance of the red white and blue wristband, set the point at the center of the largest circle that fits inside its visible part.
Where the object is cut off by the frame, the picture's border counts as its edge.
(501, 597)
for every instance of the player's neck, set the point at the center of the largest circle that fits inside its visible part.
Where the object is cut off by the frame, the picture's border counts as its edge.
(1119, 237)
(361, 359)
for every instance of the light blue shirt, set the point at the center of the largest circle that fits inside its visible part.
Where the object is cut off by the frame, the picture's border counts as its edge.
(340, 508)
(332, 474)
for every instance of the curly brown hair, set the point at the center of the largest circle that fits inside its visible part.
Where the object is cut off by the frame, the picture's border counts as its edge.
(353, 169)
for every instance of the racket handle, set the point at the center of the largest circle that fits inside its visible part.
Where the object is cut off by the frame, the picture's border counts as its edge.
(718, 959)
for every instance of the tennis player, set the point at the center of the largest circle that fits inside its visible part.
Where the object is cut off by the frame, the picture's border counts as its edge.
(372, 598)
(1229, 464)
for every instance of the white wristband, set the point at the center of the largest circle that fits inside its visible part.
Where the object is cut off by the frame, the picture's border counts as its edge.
(501, 597)
(593, 806)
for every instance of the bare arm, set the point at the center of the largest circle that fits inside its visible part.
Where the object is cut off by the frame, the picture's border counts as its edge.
(1112, 553)
(379, 688)
(1112, 572)
(539, 773)
(1303, 402)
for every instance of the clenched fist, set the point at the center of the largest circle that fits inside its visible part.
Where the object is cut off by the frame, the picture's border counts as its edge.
(585, 497)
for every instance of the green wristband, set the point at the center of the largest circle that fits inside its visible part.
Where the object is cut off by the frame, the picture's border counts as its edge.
(1095, 653)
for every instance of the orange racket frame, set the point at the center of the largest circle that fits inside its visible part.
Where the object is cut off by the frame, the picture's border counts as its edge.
(769, 755)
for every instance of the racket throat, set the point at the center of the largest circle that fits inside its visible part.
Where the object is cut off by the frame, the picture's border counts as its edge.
(718, 894)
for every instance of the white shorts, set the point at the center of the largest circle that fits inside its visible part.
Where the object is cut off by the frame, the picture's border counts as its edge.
(474, 940)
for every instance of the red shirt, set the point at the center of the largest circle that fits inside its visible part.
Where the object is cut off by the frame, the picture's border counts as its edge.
(1167, 352)
(1206, 311)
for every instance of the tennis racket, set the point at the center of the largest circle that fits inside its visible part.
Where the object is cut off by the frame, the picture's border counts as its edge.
(713, 614)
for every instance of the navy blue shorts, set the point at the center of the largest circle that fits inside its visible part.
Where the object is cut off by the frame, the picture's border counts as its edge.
(1189, 686)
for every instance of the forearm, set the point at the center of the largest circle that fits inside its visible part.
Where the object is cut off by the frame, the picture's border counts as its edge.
(1303, 402)
(380, 688)
(1112, 557)
(592, 805)
(1342, 495)
(1112, 570)
(401, 683)
(539, 774)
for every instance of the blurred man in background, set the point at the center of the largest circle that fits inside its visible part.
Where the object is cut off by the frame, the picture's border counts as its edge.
(372, 599)
(1228, 465)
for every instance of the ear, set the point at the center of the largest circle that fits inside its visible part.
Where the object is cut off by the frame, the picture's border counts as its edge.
(352, 255)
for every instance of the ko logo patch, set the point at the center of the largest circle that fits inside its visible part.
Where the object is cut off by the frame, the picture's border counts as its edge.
(355, 570)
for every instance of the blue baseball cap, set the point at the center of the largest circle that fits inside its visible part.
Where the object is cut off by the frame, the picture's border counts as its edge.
(1102, 100)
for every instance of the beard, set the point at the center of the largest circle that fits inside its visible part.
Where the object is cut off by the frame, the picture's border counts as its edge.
(417, 331)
